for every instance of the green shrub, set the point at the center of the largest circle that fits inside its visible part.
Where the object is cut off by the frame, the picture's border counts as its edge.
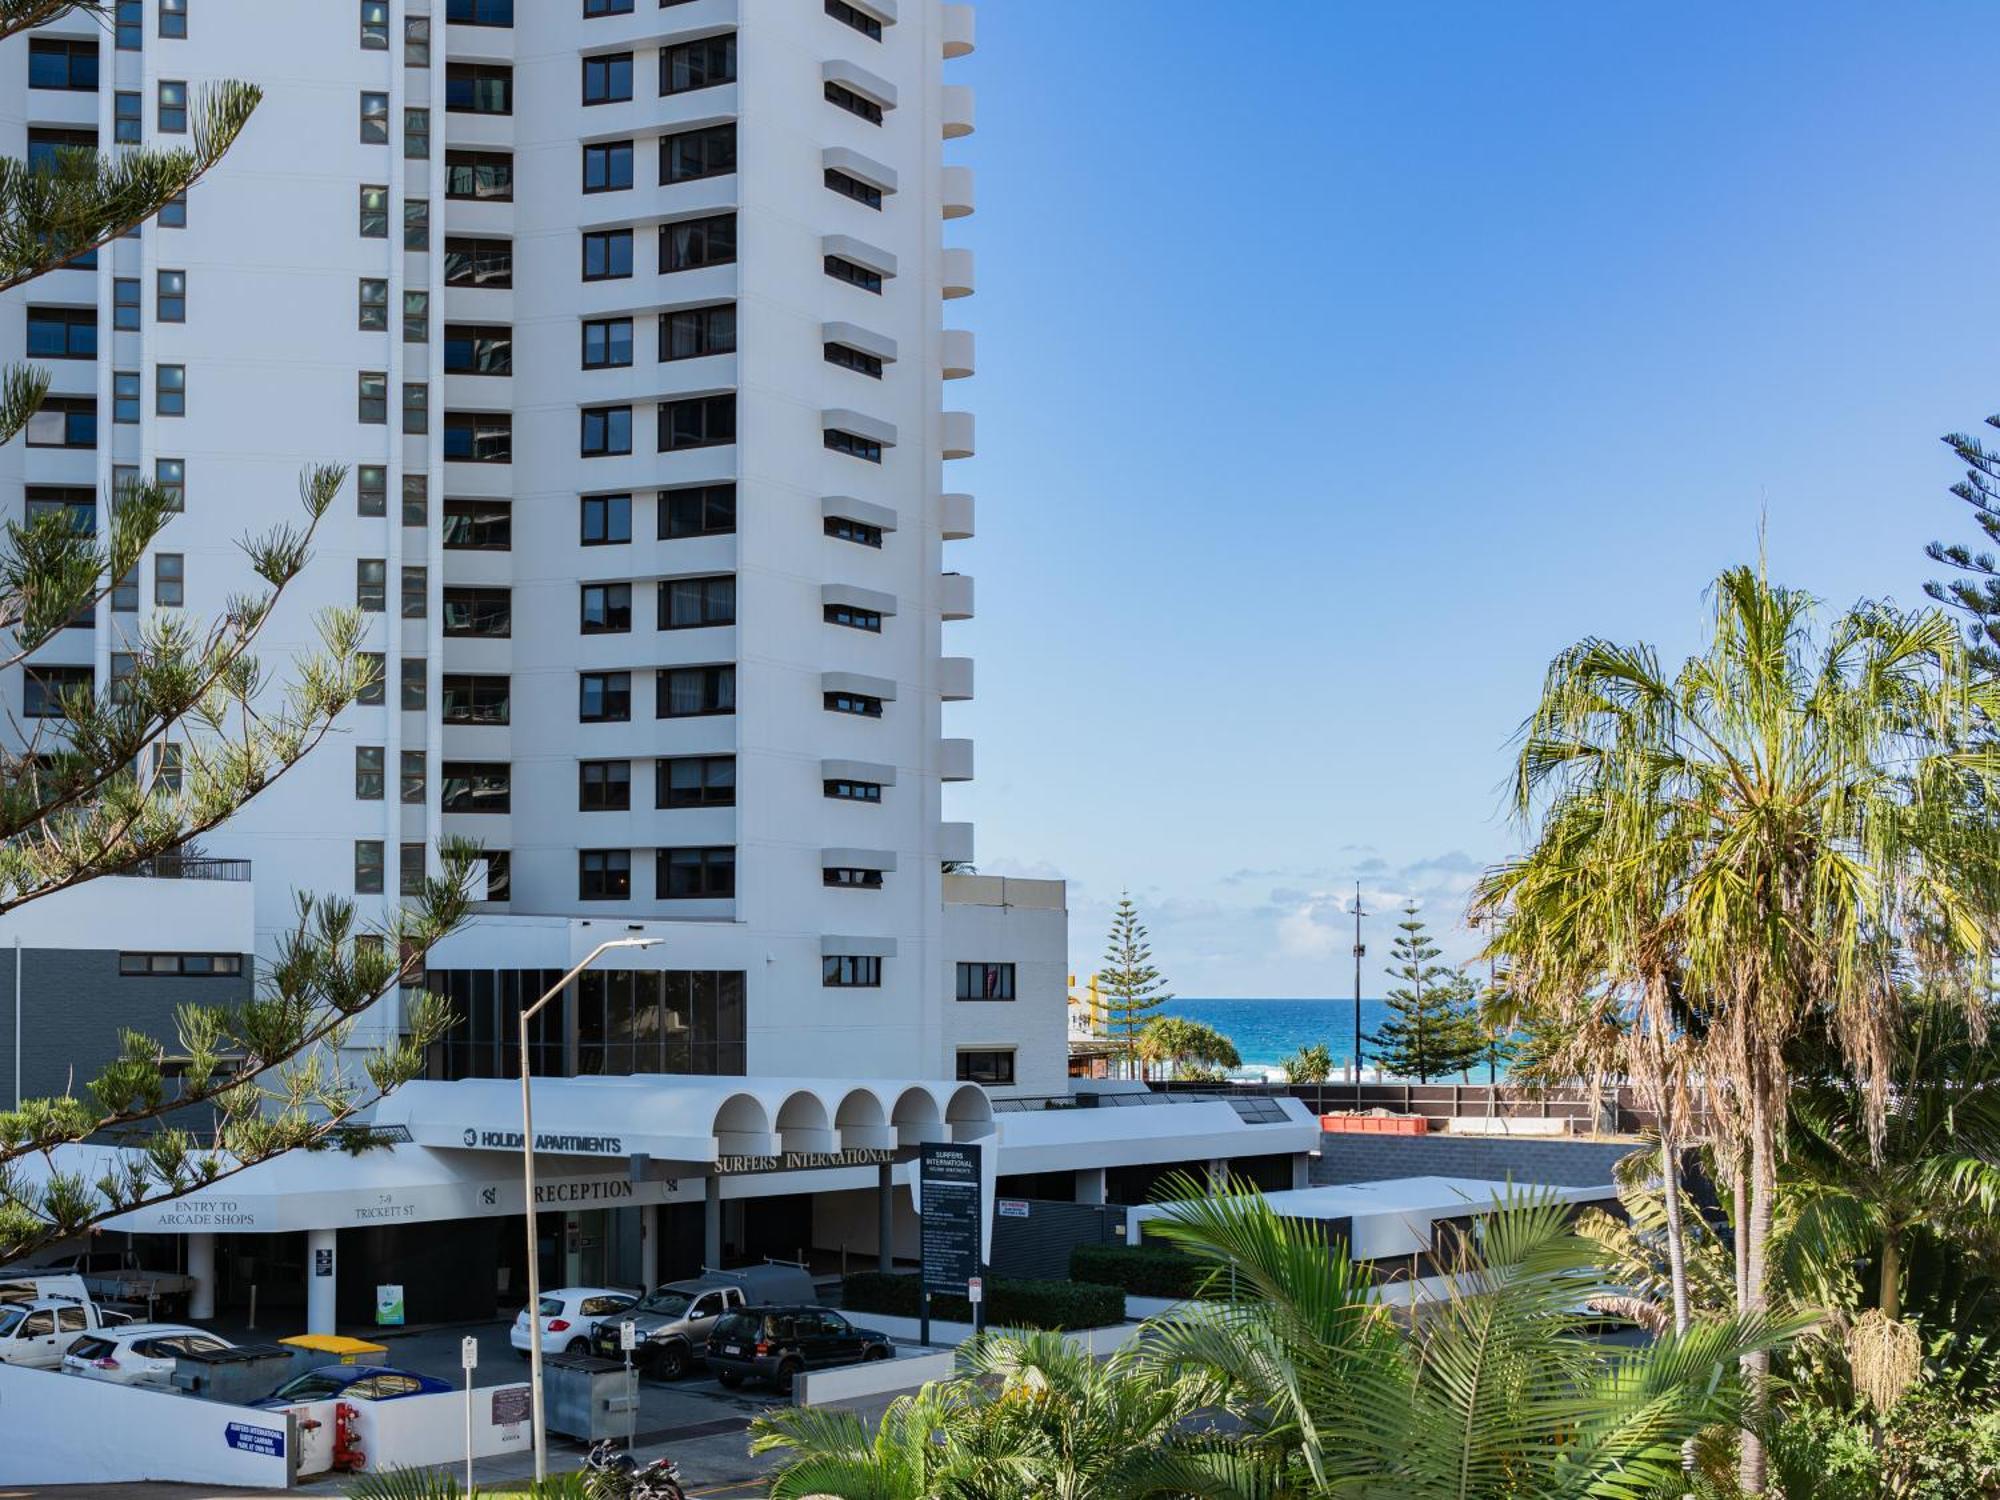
(1140, 1270)
(1010, 1304)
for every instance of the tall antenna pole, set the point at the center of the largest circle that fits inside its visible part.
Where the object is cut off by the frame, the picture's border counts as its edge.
(1360, 948)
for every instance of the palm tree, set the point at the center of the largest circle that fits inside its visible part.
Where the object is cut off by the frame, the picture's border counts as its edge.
(1178, 1042)
(1810, 812)
(1493, 1391)
(924, 1446)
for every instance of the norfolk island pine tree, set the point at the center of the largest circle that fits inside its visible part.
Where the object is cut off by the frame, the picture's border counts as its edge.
(1131, 987)
(1432, 1031)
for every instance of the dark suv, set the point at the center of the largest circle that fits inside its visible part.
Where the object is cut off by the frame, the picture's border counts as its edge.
(777, 1343)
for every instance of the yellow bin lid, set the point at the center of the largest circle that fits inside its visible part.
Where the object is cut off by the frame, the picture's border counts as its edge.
(347, 1351)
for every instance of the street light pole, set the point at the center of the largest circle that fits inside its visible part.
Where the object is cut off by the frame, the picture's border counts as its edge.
(1359, 949)
(528, 1200)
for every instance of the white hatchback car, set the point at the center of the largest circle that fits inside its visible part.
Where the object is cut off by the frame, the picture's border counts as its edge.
(570, 1316)
(137, 1354)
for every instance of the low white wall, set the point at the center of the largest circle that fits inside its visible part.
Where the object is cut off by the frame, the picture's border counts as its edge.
(414, 1430)
(1501, 1125)
(58, 1430)
(876, 1378)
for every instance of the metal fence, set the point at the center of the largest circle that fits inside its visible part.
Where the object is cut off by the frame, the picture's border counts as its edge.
(1618, 1109)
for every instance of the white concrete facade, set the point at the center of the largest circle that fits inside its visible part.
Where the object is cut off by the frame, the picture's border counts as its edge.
(298, 284)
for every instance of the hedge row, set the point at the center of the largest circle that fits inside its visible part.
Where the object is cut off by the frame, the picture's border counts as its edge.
(1140, 1270)
(1012, 1304)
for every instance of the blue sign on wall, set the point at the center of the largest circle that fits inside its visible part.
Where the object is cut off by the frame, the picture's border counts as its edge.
(268, 1441)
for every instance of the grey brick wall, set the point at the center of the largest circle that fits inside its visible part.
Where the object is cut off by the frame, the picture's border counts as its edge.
(74, 1003)
(1374, 1158)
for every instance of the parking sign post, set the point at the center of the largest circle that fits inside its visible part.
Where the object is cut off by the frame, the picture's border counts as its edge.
(628, 1340)
(468, 1358)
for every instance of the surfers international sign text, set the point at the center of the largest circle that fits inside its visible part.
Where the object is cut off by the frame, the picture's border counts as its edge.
(802, 1161)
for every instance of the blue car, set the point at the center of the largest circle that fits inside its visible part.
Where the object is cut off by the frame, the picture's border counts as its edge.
(351, 1383)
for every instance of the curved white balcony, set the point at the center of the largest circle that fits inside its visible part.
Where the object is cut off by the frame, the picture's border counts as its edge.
(955, 273)
(957, 434)
(955, 760)
(955, 350)
(955, 110)
(955, 517)
(955, 679)
(958, 30)
(955, 185)
(955, 596)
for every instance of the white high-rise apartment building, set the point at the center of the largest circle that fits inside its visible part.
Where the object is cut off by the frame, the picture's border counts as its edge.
(630, 318)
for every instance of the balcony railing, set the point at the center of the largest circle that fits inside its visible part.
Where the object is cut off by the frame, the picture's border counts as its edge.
(191, 867)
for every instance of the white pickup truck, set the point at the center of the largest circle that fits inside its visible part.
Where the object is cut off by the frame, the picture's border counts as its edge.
(36, 1335)
(116, 1276)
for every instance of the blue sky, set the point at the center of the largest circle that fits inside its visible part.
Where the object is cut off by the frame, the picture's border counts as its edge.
(1339, 364)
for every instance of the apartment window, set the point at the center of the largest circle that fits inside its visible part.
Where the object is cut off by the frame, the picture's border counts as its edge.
(695, 781)
(694, 874)
(62, 333)
(985, 981)
(416, 407)
(604, 874)
(371, 490)
(411, 869)
(372, 396)
(170, 474)
(607, 166)
(842, 269)
(416, 317)
(168, 764)
(607, 254)
(487, 176)
(474, 786)
(374, 211)
(416, 224)
(174, 212)
(375, 25)
(417, 134)
(60, 63)
(604, 786)
(605, 520)
(688, 155)
(697, 510)
(686, 692)
(853, 103)
(850, 878)
(372, 694)
(124, 667)
(853, 445)
(697, 422)
(606, 609)
(479, 12)
(992, 1067)
(703, 64)
(174, 19)
(371, 584)
(472, 699)
(860, 20)
(849, 616)
(180, 965)
(369, 773)
(857, 360)
(416, 685)
(169, 580)
(607, 79)
(125, 312)
(478, 89)
(853, 703)
(131, 25)
(839, 789)
(485, 612)
(691, 332)
(841, 529)
(607, 431)
(865, 193)
(606, 8)
(368, 867)
(850, 971)
(416, 41)
(45, 151)
(374, 119)
(478, 525)
(76, 504)
(44, 688)
(170, 390)
(690, 603)
(173, 113)
(607, 343)
(499, 874)
(64, 422)
(604, 697)
(125, 593)
(416, 593)
(479, 437)
(692, 243)
(128, 118)
(478, 263)
(374, 303)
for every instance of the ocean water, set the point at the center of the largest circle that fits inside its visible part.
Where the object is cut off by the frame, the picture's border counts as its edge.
(1267, 1031)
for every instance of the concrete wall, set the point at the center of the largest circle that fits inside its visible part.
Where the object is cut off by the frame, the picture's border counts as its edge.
(161, 1435)
(1376, 1158)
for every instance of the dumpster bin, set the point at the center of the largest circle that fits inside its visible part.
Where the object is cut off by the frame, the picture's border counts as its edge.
(312, 1350)
(588, 1398)
(246, 1373)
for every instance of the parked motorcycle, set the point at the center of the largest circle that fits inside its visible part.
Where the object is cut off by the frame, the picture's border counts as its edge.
(611, 1473)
